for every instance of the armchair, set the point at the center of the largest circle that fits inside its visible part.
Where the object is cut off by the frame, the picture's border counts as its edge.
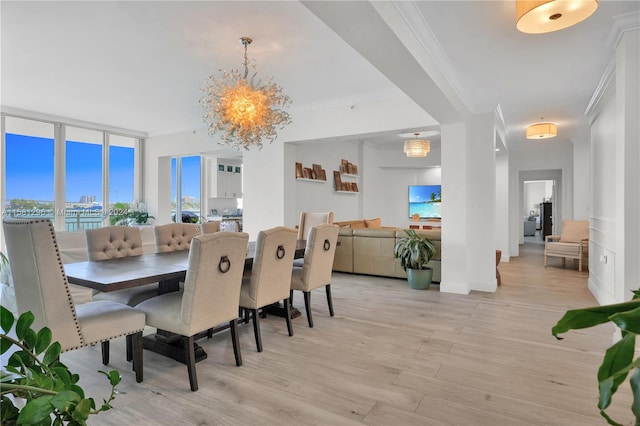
(572, 244)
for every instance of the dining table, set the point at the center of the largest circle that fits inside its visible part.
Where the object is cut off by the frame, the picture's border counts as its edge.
(165, 268)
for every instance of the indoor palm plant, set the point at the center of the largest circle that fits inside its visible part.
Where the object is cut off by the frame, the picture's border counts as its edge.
(414, 252)
(618, 359)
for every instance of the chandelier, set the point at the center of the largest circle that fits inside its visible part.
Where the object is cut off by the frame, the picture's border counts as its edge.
(243, 111)
(545, 16)
(417, 147)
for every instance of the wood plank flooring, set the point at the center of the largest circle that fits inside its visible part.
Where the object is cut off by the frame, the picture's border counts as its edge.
(390, 356)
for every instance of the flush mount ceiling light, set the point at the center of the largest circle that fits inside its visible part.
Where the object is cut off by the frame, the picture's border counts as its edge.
(417, 147)
(243, 111)
(545, 16)
(542, 131)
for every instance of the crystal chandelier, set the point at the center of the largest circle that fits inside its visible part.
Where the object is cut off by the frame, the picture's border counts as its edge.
(243, 111)
(417, 147)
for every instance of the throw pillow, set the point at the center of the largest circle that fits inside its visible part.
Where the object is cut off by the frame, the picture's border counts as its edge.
(373, 223)
(573, 231)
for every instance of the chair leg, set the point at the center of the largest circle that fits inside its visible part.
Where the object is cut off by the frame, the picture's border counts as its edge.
(307, 306)
(129, 347)
(287, 316)
(233, 326)
(545, 260)
(137, 350)
(329, 300)
(291, 298)
(564, 262)
(256, 329)
(105, 352)
(191, 362)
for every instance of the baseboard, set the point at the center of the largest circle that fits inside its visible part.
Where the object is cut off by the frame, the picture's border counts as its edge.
(458, 288)
(603, 297)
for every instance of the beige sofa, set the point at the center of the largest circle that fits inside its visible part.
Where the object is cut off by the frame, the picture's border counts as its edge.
(370, 251)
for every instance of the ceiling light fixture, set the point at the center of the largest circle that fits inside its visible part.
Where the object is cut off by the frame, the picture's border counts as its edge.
(245, 112)
(417, 147)
(545, 16)
(542, 130)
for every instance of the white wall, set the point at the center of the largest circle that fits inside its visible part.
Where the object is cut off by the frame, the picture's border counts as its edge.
(614, 246)
(534, 194)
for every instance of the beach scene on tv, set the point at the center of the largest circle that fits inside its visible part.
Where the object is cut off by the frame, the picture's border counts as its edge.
(425, 200)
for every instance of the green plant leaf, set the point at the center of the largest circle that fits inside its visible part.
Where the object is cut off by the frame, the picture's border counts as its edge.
(65, 400)
(63, 376)
(30, 338)
(43, 340)
(5, 344)
(24, 323)
(52, 353)
(8, 411)
(628, 321)
(635, 389)
(77, 389)
(113, 376)
(6, 319)
(616, 358)
(36, 411)
(589, 317)
(81, 413)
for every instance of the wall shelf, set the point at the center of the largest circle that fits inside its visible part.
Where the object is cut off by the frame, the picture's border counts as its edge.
(312, 180)
(347, 192)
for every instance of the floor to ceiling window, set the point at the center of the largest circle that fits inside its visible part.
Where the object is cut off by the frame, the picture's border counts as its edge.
(66, 173)
(29, 168)
(83, 178)
(185, 188)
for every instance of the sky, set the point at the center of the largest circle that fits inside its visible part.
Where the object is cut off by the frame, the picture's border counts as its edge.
(30, 162)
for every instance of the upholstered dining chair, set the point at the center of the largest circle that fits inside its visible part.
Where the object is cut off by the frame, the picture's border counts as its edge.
(41, 287)
(210, 297)
(175, 236)
(308, 220)
(210, 227)
(573, 243)
(270, 278)
(112, 242)
(318, 262)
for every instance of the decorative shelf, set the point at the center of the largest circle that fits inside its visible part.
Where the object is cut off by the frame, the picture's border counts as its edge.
(316, 173)
(312, 180)
(347, 192)
(349, 170)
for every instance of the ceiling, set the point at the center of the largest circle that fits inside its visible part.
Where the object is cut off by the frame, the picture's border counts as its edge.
(141, 65)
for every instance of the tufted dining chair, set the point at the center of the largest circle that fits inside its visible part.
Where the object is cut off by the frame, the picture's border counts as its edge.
(210, 297)
(317, 266)
(111, 242)
(41, 287)
(175, 236)
(270, 278)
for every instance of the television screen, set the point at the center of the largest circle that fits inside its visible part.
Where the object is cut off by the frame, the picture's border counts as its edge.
(425, 201)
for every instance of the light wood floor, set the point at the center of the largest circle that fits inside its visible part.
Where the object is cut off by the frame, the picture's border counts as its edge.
(390, 356)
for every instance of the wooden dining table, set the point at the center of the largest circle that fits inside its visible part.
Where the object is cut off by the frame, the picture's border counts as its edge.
(167, 269)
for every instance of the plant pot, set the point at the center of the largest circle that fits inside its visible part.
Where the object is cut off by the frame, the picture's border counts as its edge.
(419, 279)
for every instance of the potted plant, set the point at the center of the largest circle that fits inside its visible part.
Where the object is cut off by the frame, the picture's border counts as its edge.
(35, 387)
(414, 252)
(131, 217)
(618, 361)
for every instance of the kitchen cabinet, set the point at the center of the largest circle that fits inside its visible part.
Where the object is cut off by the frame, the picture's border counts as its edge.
(228, 181)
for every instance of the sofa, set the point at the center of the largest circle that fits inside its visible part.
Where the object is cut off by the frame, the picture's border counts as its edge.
(369, 250)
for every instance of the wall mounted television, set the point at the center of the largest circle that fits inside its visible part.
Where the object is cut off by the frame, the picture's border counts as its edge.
(425, 200)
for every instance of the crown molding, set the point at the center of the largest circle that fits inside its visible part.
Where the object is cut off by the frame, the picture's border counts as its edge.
(605, 87)
(417, 24)
(622, 24)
